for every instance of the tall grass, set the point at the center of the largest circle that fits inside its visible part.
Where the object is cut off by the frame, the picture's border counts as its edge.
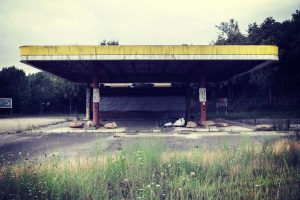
(149, 171)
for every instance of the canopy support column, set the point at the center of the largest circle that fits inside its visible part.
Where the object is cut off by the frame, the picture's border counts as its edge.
(202, 98)
(96, 97)
(87, 102)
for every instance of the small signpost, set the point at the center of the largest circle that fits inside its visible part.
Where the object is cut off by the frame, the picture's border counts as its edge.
(5, 102)
(222, 103)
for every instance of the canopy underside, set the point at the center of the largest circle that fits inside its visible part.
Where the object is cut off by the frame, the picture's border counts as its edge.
(130, 64)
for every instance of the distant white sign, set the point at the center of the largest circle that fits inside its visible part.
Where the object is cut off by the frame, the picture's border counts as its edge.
(5, 102)
(202, 94)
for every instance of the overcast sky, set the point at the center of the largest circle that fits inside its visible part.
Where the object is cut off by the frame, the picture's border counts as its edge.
(54, 22)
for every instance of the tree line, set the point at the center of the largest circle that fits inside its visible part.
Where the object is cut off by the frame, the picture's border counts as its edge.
(40, 93)
(275, 87)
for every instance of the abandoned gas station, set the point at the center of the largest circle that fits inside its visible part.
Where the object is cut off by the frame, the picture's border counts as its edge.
(163, 66)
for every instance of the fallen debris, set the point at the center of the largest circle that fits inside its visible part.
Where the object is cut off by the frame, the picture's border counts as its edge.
(179, 122)
(76, 124)
(156, 130)
(208, 123)
(89, 124)
(116, 135)
(191, 124)
(265, 127)
(222, 124)
(110, 125)
(168, 124)
(295, 127)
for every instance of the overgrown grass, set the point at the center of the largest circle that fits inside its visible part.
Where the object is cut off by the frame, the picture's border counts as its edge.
(149, 171)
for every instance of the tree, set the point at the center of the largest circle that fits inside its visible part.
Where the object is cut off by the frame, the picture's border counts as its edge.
(286, 36)
(269, 32)
(229, 33)
(14, 84)
(43, 92)
(281, 79)
(52, 93)
(109, 42)
(67, 89)
(40, 92)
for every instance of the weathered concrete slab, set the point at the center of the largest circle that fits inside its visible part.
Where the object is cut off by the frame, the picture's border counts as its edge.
(20, 124)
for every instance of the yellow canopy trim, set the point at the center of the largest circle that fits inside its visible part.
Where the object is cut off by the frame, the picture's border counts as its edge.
(148, 50)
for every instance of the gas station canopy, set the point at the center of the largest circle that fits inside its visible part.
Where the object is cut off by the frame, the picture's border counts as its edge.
(148, 63)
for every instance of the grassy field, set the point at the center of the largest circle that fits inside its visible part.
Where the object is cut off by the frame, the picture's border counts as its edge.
(149, 171)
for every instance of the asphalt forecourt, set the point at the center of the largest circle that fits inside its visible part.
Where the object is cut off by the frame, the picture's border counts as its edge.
(21, 124)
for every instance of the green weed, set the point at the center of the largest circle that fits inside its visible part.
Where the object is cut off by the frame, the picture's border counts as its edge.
(150, 171)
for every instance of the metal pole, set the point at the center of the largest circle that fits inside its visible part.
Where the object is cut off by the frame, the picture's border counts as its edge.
(226, 107)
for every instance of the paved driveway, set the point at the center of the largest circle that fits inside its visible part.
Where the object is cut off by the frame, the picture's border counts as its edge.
(24, 123)
(72, 144)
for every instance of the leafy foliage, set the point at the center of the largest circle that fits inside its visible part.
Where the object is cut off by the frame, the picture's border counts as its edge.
(109, 42)
(40, 93)
(281, 80)
(229, 33)
(14, 84)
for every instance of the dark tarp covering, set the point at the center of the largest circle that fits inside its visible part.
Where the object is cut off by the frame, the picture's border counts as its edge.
(142, 103)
